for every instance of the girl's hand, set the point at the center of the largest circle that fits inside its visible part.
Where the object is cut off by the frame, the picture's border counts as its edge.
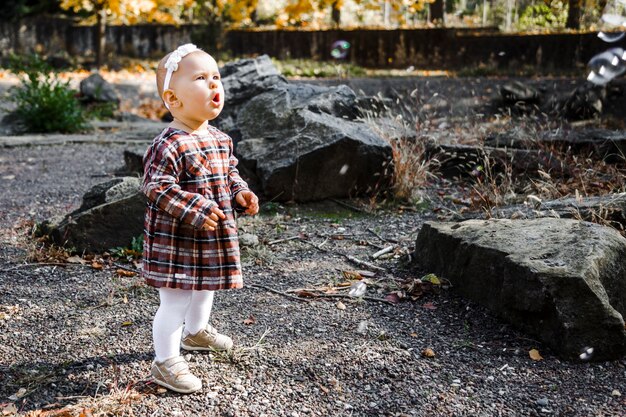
(214, 217)
(249, 200)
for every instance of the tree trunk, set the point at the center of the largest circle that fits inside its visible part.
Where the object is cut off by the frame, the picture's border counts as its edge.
(336, 13)
(573, 14)
(101, 27)
(437, 9)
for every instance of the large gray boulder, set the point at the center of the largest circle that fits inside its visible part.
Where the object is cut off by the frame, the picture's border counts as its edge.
(300, 142)
(111, 216)
(562, 281)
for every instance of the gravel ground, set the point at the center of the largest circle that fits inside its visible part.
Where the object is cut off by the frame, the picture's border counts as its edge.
(78, 339)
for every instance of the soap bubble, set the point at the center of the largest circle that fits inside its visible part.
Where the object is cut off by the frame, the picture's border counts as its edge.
(586, 353)
(340, 49)
(614, 19)
(611, 37)
(606, 66)
(344, 169)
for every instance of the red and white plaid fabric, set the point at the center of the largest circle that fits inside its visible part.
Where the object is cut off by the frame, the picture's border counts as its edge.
(184, 176)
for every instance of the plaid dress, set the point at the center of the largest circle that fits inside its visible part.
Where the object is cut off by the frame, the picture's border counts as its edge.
(185, 175)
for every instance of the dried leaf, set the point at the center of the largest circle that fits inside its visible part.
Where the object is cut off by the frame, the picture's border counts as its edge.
(352, 275)
(413, 334)
(428, 353)
(9, 410)
(324, 389)
(341, 306)
(127, 323)
(344, 284)
(250, 320)
(125, 273)
(97, 265)
(534, 355)
(393, 297)
(76, 260)
(429, 306)
(305, 294)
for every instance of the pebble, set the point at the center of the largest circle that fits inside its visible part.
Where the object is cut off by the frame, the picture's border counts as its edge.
(212, 395)
(542, 402)
(616, 393)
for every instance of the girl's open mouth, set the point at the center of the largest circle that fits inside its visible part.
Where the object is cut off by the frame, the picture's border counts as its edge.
(216, 98)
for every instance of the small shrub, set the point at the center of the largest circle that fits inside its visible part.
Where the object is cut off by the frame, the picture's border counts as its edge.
(43, 102)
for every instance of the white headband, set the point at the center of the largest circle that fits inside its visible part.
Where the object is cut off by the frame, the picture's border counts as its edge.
(172, 62)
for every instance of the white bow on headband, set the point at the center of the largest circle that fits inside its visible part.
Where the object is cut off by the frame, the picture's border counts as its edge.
(172, 62)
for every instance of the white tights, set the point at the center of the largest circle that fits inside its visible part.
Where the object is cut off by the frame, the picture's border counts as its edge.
(193, 308)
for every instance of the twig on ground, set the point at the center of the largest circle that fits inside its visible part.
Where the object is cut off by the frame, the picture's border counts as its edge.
(363, 263)
(372, 231)
(382, 252)
(316, 294)
(348, 257)
(380, 300)
(273, 242)
(127, 268)
(28, 265)
(263, 287)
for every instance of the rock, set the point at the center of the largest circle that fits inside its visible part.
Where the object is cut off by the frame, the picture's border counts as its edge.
(243, 80)
(133, 164)
(106, 192)
(609, 208)
(515, 92)
(585, 102)
(610, 145)
(464, 160)
(248, 239)
(302, 143)
(294, 140)
(562, 281)
(95, 89)
(111, 216)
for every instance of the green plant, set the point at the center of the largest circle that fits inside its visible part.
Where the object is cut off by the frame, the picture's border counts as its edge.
(43, 102)
(131, 252)
(544, 16)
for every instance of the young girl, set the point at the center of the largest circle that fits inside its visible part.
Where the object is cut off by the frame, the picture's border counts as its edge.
(193, 186)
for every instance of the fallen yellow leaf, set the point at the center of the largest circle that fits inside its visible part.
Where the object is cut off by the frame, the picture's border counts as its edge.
(534, 355)
(127, 323)
(124, 273)
(428, 353)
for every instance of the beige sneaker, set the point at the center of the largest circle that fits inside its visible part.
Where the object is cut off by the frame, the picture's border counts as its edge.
(174, 374)
(207, 339)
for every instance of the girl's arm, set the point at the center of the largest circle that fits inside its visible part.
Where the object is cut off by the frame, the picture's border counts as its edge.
(162, 167)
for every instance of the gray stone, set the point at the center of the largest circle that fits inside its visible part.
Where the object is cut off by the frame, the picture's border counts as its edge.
(562, 281)
(243, 80)
(111, 216)
(516, 91)
(109, 191)
(248, 239)
(610, 145)
(609, 209)
(463, 160)
(95, 88)
(302, 143)
(299, 142)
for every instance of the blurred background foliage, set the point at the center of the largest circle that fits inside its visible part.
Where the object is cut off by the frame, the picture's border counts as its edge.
(508, 15)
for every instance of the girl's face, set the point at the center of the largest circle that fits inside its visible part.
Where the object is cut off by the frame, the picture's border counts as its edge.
(198, 87)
